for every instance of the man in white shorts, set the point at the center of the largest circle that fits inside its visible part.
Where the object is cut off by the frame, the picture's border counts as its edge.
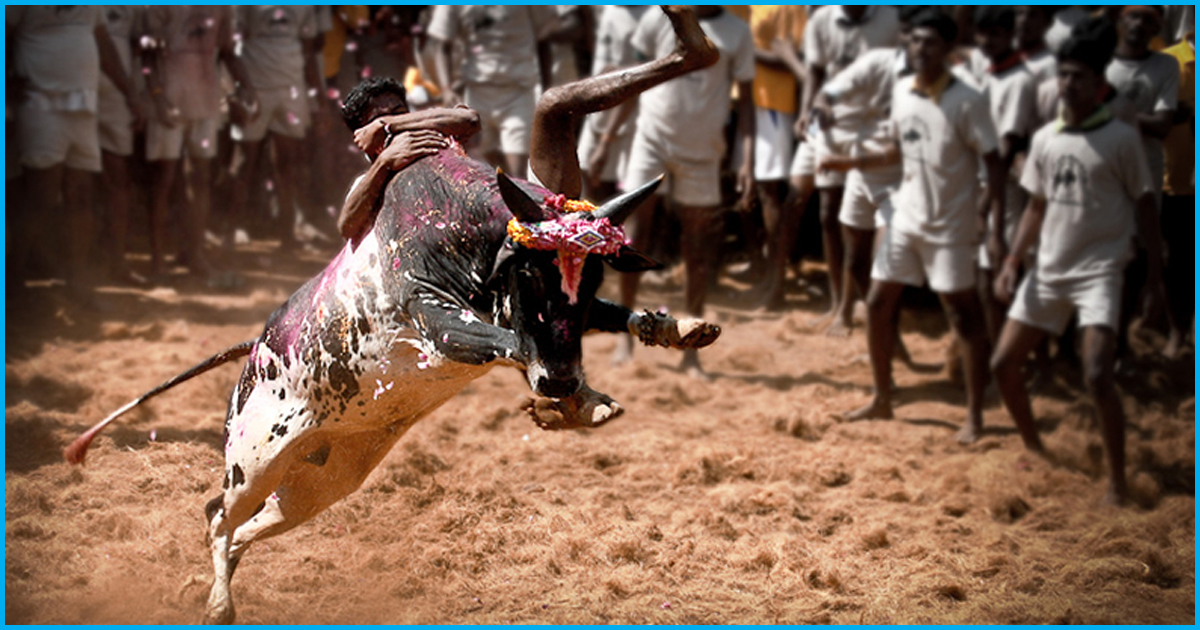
(833, 38)
(1150, 80)
(117, 121)
(680, 131)
(279, 50)
(1088, 182)
(1012, 98)
(58, 54)
(864, 86)
(941, 129)
(507, 58)
(184, 46)
(605, 141)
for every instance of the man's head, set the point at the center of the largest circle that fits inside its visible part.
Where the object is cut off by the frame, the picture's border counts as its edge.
(1032, 22)
(375, 97)
(906, 13)
(931, 40)
(1139, 24)
(994, 26)
(1082, 61)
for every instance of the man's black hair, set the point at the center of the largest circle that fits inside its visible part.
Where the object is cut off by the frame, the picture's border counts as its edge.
(995, 16)
(1092, 43)
(934, 18)
(358, 101)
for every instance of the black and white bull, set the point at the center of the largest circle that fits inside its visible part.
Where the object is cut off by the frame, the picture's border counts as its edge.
(455, 278)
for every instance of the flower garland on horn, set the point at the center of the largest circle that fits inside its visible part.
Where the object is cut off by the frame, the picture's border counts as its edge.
(573, 235)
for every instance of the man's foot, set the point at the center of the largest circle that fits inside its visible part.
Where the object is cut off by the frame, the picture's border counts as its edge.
(877, 409)
(691, 366)
(970, 432)
(123, 275)
(839, 329)
(623, 353)
(1174, 347)
(819, 321)
(1116, 497)
(692, 46)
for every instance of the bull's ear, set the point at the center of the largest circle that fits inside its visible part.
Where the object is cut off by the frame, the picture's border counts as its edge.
(506, 252)
(619, 209)
(525, 208)
(629, 260)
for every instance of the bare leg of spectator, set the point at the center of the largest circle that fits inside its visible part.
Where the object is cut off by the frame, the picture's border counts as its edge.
(966, 318)
(160, 199)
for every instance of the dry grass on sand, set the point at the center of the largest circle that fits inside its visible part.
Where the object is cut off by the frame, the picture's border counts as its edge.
(740, 500)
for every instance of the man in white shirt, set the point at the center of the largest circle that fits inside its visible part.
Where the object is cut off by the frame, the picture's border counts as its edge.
(1089, 183)
(1150, 80)
(604, 145)
(680, 130)
(57, 56)
(117, 122)
(941, 130)
(1012, 93)
(279, 50)
(508, 57)
(833, 38)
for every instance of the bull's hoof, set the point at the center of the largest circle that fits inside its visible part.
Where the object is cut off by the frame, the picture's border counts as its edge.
(586, 409)
(219, 616)
(656, 329)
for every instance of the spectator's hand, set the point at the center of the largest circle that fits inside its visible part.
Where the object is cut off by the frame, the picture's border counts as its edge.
(410, 146)
(822, 113)
(996, 249)
(801, 127)
(249, 97)
(838, 163)
(1005, 285)
(370, 138)
(1153, 299)
(166, 113)
(745, 186)
(139, 113)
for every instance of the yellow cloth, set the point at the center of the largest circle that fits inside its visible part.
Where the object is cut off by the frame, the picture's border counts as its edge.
(774, 87)
(1179, 147)
(414, 78)
(345, 18)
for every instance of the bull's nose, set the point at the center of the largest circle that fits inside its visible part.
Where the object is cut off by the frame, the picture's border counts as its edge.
(557, 387)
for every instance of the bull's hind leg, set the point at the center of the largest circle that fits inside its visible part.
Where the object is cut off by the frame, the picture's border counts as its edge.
(559, 111)
(326, 470)
(248, 488)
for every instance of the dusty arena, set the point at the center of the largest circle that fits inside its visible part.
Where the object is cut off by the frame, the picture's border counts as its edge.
(741, 500)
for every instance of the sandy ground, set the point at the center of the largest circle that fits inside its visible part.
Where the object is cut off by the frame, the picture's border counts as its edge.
(741, 500)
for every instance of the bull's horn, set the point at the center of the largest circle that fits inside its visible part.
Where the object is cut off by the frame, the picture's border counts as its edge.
(522, 206)
(619, 209)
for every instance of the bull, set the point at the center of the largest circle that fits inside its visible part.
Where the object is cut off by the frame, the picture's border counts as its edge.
(465, 269)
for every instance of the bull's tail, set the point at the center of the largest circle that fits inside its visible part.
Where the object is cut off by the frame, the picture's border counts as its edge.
(78, 449)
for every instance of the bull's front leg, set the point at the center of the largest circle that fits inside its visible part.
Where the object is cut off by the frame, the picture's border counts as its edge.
(653, 329)
(458, 335)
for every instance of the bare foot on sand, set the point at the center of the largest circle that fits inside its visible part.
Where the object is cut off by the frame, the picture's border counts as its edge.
(819, 321)
(691, 366)
(1174, 347)
(877, 409)
(839, 329)
(1115, 497)
(623, 353)
(970, 432)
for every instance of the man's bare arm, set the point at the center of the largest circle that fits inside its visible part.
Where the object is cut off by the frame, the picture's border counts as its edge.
(459, 122)
(362, 204)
